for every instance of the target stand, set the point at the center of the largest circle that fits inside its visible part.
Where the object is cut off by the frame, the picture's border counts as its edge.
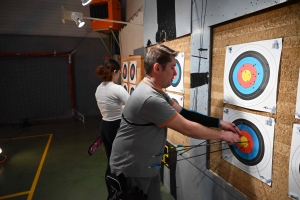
(254, 154)
(251, 74)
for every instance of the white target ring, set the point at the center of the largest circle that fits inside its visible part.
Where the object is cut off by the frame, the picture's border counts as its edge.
(267, 58)
(265, 125)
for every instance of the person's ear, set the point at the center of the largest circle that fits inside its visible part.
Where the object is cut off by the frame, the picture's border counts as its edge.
(156, 67)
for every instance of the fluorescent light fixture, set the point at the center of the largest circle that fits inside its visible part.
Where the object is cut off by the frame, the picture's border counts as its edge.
(85, 2)
(0, 150)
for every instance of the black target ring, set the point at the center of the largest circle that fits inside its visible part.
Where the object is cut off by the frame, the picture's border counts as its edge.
(257, 60)
(258, 143)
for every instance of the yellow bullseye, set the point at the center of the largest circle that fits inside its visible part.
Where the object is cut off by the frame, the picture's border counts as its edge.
(246, 75)
(244, 142)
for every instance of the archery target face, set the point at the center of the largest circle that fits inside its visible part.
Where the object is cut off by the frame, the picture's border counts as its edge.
(125, 71)
(251, 74)
(297, 113)
(131, 88)
(125, 86)
(177, 98)
(132, 72)
(254, 155)
(177, 83)
(294, 166)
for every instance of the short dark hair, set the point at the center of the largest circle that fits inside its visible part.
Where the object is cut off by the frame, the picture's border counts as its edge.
(105, 71)
(158, 54)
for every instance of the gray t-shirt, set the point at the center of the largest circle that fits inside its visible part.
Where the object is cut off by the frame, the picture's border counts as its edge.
(135, 145)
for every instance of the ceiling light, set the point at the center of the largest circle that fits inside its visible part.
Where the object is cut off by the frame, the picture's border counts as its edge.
(85, 2)
(78, 18)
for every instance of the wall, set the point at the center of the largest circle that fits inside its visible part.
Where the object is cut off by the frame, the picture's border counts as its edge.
(127, 43)
(282, 22)
(155, 20)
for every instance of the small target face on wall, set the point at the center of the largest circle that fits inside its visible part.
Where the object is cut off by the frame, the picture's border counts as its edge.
(251, 74)
(132, 72)
(177, 82)
(294, 166)
(125, 71)
(125, 86)
(131, 88)
(255, 151)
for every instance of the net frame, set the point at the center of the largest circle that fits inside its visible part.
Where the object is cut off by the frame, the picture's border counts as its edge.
(68, 56)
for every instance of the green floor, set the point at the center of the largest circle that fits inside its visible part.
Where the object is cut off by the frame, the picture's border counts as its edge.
(50, 161)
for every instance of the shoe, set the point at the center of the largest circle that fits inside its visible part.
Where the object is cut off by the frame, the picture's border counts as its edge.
(94, 146)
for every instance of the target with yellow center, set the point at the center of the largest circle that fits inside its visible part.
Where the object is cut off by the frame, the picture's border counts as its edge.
(249, 75)
(250, 150)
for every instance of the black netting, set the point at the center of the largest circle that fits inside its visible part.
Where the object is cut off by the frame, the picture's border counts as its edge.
(34, 88)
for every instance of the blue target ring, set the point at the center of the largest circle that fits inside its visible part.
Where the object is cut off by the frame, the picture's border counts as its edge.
(131, 90)
(256, 155)
(176, 80)
(125, 87)
(259, 79)
(124, 72)
(132, 71)
(261, 65)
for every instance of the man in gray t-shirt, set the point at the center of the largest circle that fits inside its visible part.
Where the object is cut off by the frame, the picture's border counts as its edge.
(143, 129)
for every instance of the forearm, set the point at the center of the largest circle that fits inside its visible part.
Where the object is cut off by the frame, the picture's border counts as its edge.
(199, 118)
(199, 131)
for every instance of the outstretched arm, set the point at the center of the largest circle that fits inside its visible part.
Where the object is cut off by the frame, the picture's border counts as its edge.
(206, 120)
(198, 131)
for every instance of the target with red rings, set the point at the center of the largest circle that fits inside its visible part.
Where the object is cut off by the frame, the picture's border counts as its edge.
(253, 152)
(249, 75)
(177, 78)
(132, 71)
(125, 71)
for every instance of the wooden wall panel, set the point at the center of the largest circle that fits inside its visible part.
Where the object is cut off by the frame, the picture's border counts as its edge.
(181, 44)
(281, 22)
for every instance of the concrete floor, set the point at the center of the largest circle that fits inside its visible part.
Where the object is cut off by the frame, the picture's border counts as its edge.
(50, 162)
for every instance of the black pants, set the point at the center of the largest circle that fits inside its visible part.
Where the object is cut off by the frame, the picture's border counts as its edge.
(108, 132)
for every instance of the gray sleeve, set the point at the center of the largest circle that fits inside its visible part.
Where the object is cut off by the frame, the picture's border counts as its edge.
(157, 110)
(168, 98)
